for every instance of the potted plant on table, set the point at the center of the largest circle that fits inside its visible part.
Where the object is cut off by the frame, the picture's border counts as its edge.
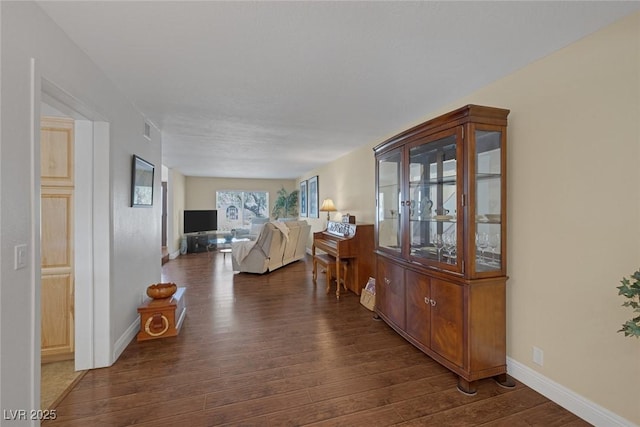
(631, 290)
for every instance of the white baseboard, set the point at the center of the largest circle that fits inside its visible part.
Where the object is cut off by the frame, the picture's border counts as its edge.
(125, 339)
(568, 399)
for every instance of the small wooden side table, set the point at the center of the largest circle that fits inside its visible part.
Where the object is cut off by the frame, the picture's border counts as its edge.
(161, 318)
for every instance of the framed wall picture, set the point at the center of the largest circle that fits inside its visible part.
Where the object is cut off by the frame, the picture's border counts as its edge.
(141, 183)
(303, 198)
(312, 198)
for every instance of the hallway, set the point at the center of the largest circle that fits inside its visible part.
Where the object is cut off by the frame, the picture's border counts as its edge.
(274, 349)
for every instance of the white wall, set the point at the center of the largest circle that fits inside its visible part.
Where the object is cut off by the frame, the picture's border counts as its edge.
(1, 208)
(574, 217)
(176, 202)
(134, 232)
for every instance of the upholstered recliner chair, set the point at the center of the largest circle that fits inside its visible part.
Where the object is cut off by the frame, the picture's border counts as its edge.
(279, 244)
(253, 232)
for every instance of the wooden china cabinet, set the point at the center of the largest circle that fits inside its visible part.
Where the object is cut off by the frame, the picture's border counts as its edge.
(441, 240)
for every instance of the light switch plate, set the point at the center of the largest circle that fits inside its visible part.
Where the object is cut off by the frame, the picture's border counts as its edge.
(538, 356)
(20, 257)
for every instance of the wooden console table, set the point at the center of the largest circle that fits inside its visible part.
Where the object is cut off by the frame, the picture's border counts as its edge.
(161, 318)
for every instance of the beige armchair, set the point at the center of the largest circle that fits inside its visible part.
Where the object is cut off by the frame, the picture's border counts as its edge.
(279, 244)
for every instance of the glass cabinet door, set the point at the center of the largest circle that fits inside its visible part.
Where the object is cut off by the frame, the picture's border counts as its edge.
(389, 196)
(434, 185)
(488, 201)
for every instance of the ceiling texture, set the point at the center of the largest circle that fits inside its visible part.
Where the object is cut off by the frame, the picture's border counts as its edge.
(276, 89)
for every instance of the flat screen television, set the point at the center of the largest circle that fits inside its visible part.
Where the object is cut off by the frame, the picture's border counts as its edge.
(200, 221)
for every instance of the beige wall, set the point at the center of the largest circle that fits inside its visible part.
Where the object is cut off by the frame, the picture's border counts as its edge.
(349, 182)
(574, 212)
(573, 206)
(201, 192)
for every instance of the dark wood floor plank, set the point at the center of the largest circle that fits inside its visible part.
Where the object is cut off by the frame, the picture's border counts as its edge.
(371, 382)
(191, 419)
(486, 406)
(368, 400)
(275, 350)
(378, 417)
(152, 410)
(548, 414)
(237, 412)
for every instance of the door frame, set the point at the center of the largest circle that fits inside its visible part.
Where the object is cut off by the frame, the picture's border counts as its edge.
(165, 213)
(92, 224)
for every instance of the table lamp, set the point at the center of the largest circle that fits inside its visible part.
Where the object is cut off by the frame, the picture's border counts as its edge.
(328, 206)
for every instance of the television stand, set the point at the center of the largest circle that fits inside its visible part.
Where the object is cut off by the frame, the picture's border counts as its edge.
(202, 242)
(199, 242)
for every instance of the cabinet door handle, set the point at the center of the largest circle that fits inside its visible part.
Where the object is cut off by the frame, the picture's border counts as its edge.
(387, 281)
(433, 302)
(427, 300)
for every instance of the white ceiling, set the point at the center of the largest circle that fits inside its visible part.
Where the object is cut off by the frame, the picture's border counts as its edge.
(275, 89)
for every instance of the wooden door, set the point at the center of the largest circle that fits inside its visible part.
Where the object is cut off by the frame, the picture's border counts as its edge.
(390, 292)
(447, 320)
(57, 289)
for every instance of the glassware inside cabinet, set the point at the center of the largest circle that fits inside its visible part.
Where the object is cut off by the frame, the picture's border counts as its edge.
(389, 212)
(433, 180)
(488, 200)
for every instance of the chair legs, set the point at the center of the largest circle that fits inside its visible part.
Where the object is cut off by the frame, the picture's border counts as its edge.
(345, 272)
(341, 277)
(330, 265)
(329, 274)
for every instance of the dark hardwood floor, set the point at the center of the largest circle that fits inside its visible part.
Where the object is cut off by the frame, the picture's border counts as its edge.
(275, 350)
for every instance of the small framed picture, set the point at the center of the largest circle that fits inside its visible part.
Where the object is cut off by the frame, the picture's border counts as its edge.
(348, 219)
(141, 183)
(303, 198)
(312, 198)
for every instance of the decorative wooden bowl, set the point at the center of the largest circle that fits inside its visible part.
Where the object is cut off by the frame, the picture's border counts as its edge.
(162, 290)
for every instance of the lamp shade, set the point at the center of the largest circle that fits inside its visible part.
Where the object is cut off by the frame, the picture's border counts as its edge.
(328, 206)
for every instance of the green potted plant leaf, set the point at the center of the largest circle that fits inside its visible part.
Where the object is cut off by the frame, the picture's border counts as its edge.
(286, 204)
(631, 290)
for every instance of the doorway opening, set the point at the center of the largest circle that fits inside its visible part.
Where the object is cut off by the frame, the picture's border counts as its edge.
(88, 220)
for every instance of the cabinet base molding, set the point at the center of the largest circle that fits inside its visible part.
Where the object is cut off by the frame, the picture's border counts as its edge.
(505, 381)
(467, 388)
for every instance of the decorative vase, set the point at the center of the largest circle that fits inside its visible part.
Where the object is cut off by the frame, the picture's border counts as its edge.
(161, 290)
